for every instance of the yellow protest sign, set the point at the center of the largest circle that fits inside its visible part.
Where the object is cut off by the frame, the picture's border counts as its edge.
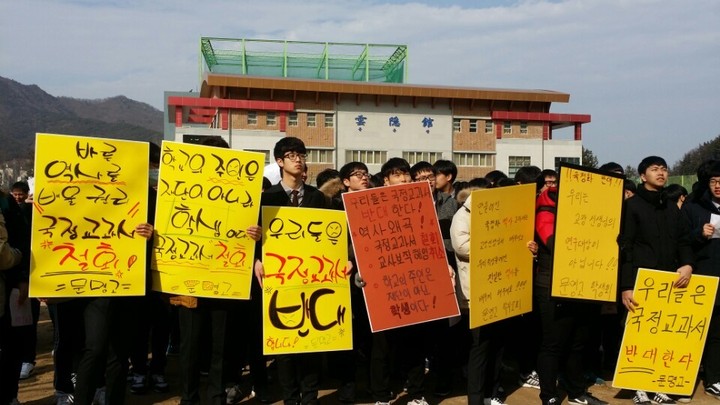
(206, 199)
(90, 194)
(585, 262)
(502, 222)
(665, 336)
(306, 293)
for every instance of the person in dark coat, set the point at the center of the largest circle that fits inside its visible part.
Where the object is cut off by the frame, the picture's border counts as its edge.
(703, 216)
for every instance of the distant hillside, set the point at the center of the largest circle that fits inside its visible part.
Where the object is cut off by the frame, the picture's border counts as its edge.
(692, 159)
(27, 109)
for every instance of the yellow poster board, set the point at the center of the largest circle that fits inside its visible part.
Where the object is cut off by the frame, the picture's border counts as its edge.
(306, 291)
(90, 194)
(502, 222)
(206, 199)
(587, 225)
(665, 336)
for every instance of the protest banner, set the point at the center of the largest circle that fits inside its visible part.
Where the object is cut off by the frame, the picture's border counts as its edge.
(400, 254)
(501, 224)
(664, 337)
(90, 194)
(587, 224)
(206, 199)
(306, 291)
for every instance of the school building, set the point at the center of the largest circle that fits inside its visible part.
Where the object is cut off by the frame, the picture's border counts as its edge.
(351, 102)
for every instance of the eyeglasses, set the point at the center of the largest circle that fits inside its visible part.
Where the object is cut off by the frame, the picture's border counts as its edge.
(714, 182)
(360, 175)
(295, 156)
(550, 183)
(425, 178)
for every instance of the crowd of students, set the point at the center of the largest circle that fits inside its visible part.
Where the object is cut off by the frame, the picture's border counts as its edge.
(101, 345)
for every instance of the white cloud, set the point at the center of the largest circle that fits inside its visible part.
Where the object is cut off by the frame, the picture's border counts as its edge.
(645, 70)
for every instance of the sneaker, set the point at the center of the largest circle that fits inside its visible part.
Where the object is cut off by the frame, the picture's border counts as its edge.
(382, 403)
(641, 398)
(493, 401)
(713, 390)
(233, 395)
(26, 370)
(158, 383)
(139, 384)
(420, 401)
(99, 397)
(62, 398)
(531, 380)
(586, 399)
(552, 401)
(684, 400)
(661, 399)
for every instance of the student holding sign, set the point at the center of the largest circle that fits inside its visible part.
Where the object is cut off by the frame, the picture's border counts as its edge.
(298, 374)
(654, 236)
(703, 216)
(565, 324)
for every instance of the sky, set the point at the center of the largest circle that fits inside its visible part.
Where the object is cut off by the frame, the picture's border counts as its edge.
(647, 71)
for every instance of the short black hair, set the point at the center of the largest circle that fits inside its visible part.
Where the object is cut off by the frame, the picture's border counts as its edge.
(395, 165)
(612, 167)
(649, 161)
(494, 176)
(376, 180)
(421, 166)
(288, 144)
(216, 141)
(326, 175)
(527, 174)
(446, 167)
(479, 182)
(673, 192)
(266, 183)
(629, 185)
(349, 168)
(21, 185)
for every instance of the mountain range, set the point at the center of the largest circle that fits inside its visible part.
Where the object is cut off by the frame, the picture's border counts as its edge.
(26, 110)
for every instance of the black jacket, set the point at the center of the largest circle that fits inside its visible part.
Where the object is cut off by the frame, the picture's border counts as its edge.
(654, 235)
(707, 251)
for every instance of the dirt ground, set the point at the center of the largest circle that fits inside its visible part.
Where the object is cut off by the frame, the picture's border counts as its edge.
(38, 389)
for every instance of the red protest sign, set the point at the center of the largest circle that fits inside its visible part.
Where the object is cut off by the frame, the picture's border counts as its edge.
(400, 254)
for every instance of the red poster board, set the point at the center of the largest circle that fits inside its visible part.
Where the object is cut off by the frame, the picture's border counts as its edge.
(400, 255)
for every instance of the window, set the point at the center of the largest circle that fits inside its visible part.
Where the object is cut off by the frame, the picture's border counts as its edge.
(292, 119)
(572, 160)
(369, 157)
(474, 159)
(264, 152)
(311, 119)
(488, 127)
(414, 157)
(456, 124)
(329, 121)
(523, 127)
(507, 127)
(252, 117)
(271, 118)
(320, 156)
(473, 125)
(516, 162)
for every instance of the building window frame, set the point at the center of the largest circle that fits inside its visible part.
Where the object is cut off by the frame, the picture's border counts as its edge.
(271, 118)
(473, 126)
(311, 119)
(293, 119)
(252, 117)
(523, 127)
(474, 159)
(320, 156)
(507, 127)
(369, 157)
(488, 126)
(413, 157)
(516, 162)
(329, 120)
(457, 124)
